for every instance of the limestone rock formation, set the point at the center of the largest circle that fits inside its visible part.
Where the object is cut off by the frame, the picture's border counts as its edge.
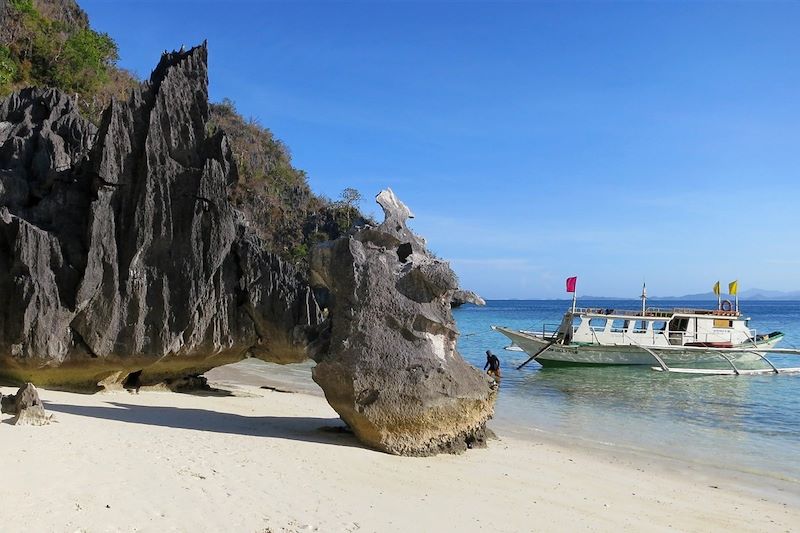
(461, 297)
(7, 404)
(119, 248)
(391, 369)
(123, 263)
(26, 407)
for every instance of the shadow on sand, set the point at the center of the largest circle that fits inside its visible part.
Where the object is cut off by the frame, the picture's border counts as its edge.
(308, 429)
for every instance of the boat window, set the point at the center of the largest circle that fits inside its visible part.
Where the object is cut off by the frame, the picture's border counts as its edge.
(619, 325)
(640, 326)
(598, 324)
(659, 325)
(678, 324)
(719, 323)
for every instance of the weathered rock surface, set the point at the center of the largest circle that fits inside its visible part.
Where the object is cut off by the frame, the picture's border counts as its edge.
(461, 297)
(391, 369)
(119, 248)
(124, 264)
(26, 407)
(7, 404)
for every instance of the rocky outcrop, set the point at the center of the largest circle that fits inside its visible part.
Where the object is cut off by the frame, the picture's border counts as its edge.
(391, 369)
(123, 264)
(7, 404)
(26, 407)
(461, 297)
(119, 248)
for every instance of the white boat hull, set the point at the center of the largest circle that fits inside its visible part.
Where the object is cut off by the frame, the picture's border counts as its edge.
(561, 355)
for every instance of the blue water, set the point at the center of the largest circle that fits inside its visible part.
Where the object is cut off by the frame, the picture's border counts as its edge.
(745, 423)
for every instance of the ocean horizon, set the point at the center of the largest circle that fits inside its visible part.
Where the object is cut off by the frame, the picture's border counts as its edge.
(667, 300)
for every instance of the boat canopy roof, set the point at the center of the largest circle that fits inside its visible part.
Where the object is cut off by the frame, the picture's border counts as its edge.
(653, 313)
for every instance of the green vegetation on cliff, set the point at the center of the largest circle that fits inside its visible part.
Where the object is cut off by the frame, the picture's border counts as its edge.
(50, 43)
(274, 194)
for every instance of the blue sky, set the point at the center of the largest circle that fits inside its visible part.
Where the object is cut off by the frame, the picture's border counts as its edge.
(619, 142)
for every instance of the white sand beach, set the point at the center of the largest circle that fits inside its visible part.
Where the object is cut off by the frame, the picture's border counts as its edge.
(260, 461)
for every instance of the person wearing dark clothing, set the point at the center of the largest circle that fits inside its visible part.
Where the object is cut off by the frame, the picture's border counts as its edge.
(493, 364)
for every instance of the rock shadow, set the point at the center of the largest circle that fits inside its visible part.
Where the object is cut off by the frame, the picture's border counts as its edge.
(308, 429)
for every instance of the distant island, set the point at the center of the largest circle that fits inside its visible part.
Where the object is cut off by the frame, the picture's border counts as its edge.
(749, 294)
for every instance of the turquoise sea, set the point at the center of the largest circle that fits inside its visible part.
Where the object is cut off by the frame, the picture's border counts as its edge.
(749, 424)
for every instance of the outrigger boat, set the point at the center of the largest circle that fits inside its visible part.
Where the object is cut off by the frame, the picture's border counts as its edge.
(683, 340)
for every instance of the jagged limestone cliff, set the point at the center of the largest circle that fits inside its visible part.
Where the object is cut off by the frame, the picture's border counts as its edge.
(119, 249)
(122, 259)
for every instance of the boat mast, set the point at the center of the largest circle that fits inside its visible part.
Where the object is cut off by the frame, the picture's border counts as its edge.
(733, 289)
(644, 298)
(574, 297)
(572, 286)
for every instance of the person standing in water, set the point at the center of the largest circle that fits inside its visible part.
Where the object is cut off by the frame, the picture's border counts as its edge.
(493, 364)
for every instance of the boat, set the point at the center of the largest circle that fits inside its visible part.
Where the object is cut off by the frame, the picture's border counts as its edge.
(689, 340)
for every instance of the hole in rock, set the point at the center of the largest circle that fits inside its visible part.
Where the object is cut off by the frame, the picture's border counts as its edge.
(133, 381)
(403, 251)
(367, 397)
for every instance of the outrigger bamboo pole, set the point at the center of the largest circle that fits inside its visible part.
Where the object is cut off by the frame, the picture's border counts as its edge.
(787, 351)
(537, 354)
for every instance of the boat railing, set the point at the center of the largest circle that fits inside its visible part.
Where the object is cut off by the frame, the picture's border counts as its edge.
(652, 312)
(670, 337)
(711, 336)
(550, 329)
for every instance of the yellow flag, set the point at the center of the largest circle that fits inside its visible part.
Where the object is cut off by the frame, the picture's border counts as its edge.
(733, 287)
(716, 288)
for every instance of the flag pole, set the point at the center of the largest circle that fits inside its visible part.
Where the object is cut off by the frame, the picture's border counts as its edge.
(574, 297)
(644, 298)
(572, 286)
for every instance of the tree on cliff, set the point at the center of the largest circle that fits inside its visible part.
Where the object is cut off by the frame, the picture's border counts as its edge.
(50, 43)
(274, 194)
(347, 207)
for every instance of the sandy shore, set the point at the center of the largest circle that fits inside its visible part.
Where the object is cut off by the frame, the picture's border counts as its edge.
(260, 461)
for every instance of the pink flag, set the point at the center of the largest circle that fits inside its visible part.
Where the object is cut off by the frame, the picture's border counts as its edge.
(571, 282)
